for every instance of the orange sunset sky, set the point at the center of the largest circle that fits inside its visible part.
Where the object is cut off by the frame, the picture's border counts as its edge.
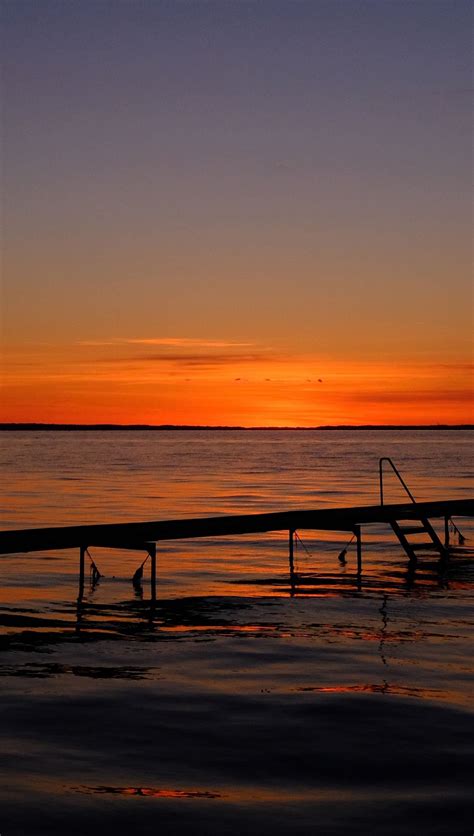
(253, 214)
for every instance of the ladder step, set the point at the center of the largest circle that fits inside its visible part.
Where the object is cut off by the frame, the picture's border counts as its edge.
(430, 545)
(413, 529)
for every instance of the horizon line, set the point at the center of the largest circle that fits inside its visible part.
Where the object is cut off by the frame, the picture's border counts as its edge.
(47, 426)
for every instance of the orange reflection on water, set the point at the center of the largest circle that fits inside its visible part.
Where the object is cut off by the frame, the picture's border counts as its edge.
(153, 792)
(377, 688)
(235, 793)
(234, 628)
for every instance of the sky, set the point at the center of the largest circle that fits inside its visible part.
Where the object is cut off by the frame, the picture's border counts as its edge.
(231, 212)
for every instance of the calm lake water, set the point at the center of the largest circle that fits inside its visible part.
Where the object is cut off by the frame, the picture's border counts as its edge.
(238, 705)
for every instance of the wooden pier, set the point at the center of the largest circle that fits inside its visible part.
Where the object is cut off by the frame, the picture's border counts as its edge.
(145, 535)
(137, 535)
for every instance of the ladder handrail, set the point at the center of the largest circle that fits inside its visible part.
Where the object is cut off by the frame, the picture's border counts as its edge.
(408, 491)
(397, 474)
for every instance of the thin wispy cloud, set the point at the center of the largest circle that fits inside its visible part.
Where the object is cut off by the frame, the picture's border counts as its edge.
(198, 359)
(203, 359)
(167, 342)
(181, 352)
(458, 395)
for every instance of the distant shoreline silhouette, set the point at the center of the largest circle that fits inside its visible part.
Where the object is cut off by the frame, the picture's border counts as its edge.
(36, 427)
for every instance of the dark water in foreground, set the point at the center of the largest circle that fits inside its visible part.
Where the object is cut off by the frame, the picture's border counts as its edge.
(236, 706)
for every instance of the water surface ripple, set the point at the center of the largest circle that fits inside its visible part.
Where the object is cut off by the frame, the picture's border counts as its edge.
(238, 703)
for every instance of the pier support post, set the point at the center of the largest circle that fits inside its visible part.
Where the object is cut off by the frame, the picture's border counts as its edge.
(446, 532)
(82, 553)
(291, 543)
(359, 548)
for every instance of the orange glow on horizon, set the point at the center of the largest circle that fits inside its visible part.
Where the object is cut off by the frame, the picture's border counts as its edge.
(211, 382)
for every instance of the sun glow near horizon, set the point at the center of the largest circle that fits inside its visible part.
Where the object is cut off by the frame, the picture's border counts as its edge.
(184, 380)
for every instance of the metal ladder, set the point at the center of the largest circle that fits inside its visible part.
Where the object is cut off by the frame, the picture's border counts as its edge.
(412, 523)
